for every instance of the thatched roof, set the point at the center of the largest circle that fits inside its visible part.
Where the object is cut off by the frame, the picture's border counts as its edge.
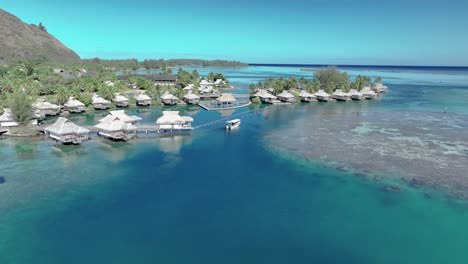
(120, 98)
(72, 102)
(6, 116)
(42, 104)
(305, 94)
(142, 97)
(99, 100)
(321, 93)
(267, 95)
(120, 115)
(285, 94)
(115, 125)
(339, 92)
(168, 96)
(191, 96)
(64, 126)
(173, 117)
(368, 91)
(205, 82)
(354, 92)
(226, 98)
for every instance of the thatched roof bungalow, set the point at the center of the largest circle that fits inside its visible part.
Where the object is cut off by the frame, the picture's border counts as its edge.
(172, 122)
(66, 132)
(120, 115)
(322, 96)
(6, 119)
(45, 108)
(286, 97)
(379, 87)
(191, 98)
(169, 99)
(100, 103)
(368, 94)
(306, 96)
(116, 130)
(74, 106)
(339, 95)
(267, 98)
(143, 99)
(226, 99)
(120, 100)
(355, 95)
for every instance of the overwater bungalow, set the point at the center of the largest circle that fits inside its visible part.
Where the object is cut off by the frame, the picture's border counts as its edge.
(66, 132)
(169, 99)
(7, 120)
(163, 79)
(45, 108)
(267, 98)
(355, 95)
(322, 96)
(339, 95)
(226, 99)
(100, 103)
(172, 122)
(189, 87)
(206, 83)
(143, 99)
(74, 106)
(306, 96)
(206, 89)
(120, 115)
(191, 98)
(120, 100)
(379, 87)
(116, 130)
(368, 94)
(286, 97)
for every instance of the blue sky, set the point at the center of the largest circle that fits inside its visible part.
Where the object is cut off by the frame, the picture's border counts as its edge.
(398, 32)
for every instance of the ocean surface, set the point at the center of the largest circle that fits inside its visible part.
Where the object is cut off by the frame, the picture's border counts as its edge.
(279, 189)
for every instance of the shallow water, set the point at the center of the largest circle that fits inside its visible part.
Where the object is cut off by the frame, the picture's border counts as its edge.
(219, 197)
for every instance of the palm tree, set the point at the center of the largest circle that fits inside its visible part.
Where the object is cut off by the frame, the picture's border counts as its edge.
(61, 97)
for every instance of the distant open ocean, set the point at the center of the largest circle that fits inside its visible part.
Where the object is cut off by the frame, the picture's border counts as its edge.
(304, 183)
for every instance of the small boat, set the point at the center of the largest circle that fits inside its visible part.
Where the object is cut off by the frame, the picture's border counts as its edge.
(233, 124)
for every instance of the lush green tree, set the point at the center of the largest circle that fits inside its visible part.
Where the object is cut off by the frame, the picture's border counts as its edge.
(85, 98)
(330, 78)
(21, 109)
(62, 95)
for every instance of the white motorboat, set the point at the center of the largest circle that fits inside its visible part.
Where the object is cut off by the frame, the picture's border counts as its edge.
(233, 124)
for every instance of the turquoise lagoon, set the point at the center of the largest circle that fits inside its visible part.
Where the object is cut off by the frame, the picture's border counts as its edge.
(245, 196)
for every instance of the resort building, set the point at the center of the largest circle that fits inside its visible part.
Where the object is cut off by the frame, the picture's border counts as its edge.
(7, 120)
(368, 94)
(206, 83)
(120, 100)
(100, 103)
(45, 108)
(169, 99)
(172, 122)
(379, 88)
(161, 79)
(143, 99)
(189, 87)
(116, 130)
(219, 83)
(206, 89)
(306, 96)
(74, 106)
(339, 95)
(322, 96)
(120, 115)
(191, 98)
(66, 132)
(267, 98)
(226, 100)
(355, 95)
(286, 97)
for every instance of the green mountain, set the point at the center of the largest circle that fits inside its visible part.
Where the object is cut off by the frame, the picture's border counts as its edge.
(19, 41)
